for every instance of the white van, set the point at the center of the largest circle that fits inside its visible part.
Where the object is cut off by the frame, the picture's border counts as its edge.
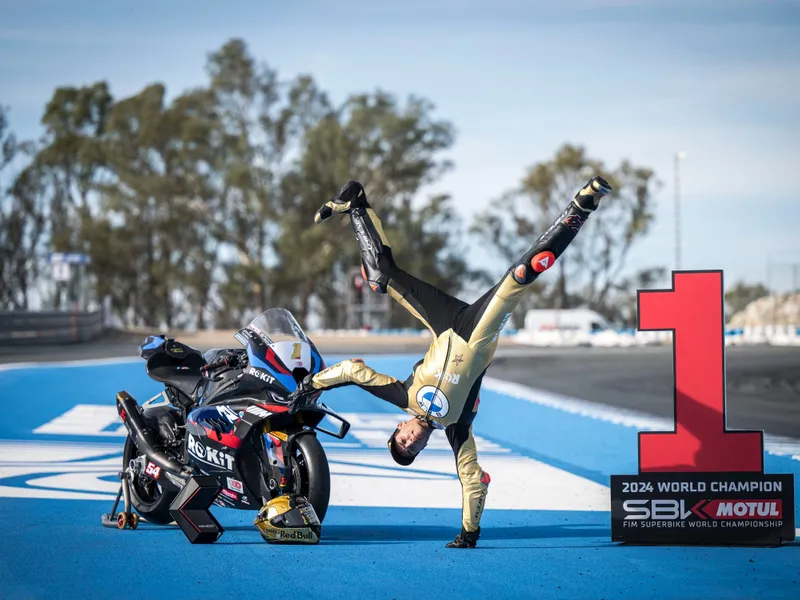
(568, 327)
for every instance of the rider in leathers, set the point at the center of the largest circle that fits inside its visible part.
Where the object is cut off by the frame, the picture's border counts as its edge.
(442, 391)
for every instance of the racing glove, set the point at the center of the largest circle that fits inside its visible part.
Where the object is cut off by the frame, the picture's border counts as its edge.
(465, 539)
(302, 396)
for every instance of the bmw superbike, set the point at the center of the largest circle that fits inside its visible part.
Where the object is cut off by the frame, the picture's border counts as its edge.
(223, 418)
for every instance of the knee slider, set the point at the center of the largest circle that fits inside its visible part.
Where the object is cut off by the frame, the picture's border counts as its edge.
(533, 264)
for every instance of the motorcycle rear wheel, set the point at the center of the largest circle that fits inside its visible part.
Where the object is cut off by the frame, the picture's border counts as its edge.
(311, 475)
(149, 498)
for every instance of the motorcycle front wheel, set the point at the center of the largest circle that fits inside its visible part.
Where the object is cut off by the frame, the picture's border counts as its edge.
(149, 498)
(311, 475)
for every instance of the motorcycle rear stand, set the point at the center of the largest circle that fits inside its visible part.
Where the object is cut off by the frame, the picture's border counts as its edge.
(126, 518)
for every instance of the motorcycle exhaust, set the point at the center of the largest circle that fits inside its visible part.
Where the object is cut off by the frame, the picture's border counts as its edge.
(143, 437)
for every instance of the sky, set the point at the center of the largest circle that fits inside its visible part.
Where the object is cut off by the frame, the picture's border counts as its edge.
(635, 79)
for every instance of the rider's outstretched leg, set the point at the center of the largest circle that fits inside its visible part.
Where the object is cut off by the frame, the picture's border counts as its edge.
(433, 307)
(560, 234)
(376, 255)
(483, 320)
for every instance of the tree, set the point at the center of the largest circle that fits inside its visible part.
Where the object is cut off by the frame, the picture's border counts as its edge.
(71, 160)
(393, 149)
(741, 294)
(22, 223)
(263, 120)
(621, 305)
(591, 267)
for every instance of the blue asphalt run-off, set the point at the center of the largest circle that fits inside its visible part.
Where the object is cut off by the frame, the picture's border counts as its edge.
(57, 548)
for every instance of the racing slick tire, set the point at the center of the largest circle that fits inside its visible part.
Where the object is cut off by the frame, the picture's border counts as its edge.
(148, 497)
(310, 468)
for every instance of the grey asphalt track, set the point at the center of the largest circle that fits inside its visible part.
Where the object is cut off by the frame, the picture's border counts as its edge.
(762, 383)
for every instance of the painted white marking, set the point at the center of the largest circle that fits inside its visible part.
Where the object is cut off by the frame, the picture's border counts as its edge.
(776, 445)
(361, 477)
(86, 419)
(518, 483)
(371, 430)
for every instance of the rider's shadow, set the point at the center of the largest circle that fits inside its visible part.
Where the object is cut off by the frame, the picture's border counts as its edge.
(383, 534)
(333, 535)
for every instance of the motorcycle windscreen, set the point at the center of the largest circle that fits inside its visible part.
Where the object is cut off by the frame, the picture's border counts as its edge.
(277, 325)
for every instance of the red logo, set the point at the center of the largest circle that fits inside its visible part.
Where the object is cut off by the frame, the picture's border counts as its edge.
(543, 261)
(574, 222)
(520, 272)
(153, 470)
(485, 479)
(122, 414)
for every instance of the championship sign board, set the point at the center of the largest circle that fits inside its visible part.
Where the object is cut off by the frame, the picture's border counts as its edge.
(700, 483)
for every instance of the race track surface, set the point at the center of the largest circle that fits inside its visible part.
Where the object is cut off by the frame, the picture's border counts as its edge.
(763, 382)
(546, 530)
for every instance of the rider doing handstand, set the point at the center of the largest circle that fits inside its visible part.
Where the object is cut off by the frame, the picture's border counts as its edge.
(442, 390)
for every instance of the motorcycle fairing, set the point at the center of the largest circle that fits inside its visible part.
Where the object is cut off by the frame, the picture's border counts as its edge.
(217, 455)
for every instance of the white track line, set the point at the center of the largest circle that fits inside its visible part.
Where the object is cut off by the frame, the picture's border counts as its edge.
(70, 363)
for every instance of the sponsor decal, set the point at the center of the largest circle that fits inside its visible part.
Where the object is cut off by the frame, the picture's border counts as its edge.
(261, 413)
(261, 374)
(500, 328)
(229, 414)
(449, 377)
(433, 401)
(245, 500)
(209, 455)
(666, 509)
(258, 331)
(543, 261)
(153, 470)
(280, 534)
(229, 494)
(235, 485)
(574, 222)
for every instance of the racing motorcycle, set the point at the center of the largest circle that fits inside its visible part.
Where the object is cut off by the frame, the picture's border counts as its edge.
(224, 413)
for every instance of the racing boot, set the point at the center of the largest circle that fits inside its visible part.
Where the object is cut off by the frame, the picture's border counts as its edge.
(552, 244)
(376, 255)
(351, 196)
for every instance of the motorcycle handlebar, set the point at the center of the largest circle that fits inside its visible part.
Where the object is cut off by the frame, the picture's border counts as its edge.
(229, 360)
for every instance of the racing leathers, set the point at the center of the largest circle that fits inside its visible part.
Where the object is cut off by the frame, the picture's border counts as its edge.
(443, 388)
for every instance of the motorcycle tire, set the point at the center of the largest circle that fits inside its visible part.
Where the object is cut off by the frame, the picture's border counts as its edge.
(149, 499)
(311, 473)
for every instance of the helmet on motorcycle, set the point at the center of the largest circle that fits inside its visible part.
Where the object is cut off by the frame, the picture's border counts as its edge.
(288, 519)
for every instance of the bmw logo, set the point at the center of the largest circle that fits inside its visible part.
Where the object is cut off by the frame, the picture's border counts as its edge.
(433, 401)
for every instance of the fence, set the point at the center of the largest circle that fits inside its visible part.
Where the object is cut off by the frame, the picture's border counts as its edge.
(33, 328)
(756, 335)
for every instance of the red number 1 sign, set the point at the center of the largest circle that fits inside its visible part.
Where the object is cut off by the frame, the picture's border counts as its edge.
(693, 310)
(700, 483)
